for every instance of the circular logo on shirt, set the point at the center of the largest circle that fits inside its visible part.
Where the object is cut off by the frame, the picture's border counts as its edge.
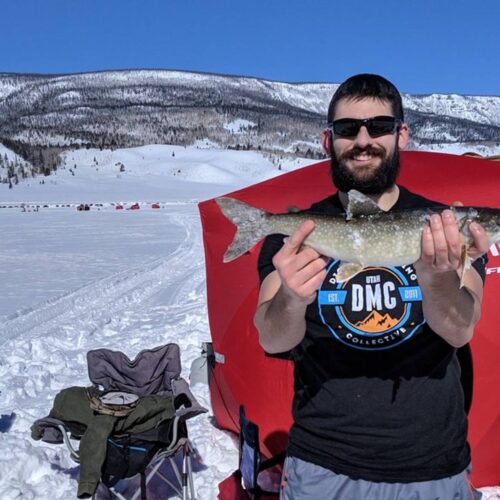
(378, 308)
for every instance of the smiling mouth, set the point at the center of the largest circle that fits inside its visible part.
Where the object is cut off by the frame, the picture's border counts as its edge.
(363, 155)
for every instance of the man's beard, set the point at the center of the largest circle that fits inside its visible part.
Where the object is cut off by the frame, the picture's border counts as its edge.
(382, 178)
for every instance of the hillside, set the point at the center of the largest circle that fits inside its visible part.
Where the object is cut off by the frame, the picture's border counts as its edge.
(44, 115)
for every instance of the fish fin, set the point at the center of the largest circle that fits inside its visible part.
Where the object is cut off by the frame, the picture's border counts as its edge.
(348, 270)
(360, 204)
(465, 264)
(250, 225)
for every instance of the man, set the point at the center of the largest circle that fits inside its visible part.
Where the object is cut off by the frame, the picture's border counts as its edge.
(378, 406)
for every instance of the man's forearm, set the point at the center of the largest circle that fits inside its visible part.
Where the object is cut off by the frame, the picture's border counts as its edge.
(281, 323)
(449, 310)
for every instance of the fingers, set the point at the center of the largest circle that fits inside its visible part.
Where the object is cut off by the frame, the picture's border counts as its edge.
(450, 250)
(479, 235)
(442, 242)
(427, 246)
(301, 268)
(296, 240)
(304, 281)
(481, 240)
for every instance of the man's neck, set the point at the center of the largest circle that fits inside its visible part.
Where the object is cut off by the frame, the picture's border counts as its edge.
(385, 200)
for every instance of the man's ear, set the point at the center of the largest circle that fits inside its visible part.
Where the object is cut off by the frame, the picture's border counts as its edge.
(403, 135)
(326, 141)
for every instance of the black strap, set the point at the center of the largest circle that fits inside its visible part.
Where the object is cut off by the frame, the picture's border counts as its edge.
(143, 486)
(275, 460)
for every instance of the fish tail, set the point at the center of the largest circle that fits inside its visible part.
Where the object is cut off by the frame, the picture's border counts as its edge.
(250, 225)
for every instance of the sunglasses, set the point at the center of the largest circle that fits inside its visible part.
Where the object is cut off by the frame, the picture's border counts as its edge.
(376, 126)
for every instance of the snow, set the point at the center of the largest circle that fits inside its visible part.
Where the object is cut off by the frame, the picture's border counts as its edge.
(461, 148)
(10, 154)
(152, 173)
(122, 279)
(239, 126)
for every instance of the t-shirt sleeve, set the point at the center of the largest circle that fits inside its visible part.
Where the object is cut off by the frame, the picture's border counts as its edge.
(270, 247)
(480, 266)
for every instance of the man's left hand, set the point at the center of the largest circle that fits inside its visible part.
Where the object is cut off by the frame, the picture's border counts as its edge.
(442, 244)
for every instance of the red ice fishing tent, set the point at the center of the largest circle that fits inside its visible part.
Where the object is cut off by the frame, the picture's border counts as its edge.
(244, 375)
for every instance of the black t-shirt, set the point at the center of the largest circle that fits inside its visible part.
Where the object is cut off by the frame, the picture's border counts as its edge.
(377, 393)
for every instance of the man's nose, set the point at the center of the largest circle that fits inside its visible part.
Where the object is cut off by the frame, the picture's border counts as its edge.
(363, 138)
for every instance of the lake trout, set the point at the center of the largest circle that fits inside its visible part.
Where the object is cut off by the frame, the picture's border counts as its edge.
(364, 236)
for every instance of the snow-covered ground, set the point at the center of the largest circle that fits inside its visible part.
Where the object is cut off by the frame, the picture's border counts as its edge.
(123, 279)
(462, 148)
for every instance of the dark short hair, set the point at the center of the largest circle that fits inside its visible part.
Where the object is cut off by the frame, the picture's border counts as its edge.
(367, 85)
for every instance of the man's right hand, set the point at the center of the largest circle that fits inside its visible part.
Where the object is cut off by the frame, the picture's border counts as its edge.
(301, 269)
(286, 292)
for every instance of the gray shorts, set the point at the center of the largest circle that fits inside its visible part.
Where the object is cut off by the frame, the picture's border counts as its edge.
(306, 481)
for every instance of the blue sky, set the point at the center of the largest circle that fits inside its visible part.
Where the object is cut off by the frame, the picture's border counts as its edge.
(423, 46)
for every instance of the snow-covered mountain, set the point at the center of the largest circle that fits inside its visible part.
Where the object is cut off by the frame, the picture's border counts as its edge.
(43, 115)
(480, 109)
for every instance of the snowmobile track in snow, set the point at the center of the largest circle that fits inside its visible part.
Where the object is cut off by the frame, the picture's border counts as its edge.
(104, 298)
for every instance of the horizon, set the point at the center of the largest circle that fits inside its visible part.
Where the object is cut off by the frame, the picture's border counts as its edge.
(292, 42)
(225, 75)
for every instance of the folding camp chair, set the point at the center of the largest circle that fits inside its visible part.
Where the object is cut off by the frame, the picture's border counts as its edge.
(122, 386)
(252, 466)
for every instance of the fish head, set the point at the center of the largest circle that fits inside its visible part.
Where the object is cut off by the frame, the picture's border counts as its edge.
(488, 218)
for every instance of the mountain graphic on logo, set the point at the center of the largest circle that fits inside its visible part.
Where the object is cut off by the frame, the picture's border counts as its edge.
(376, 322)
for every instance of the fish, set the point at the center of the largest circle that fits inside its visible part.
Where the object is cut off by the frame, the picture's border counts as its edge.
(365, 236)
